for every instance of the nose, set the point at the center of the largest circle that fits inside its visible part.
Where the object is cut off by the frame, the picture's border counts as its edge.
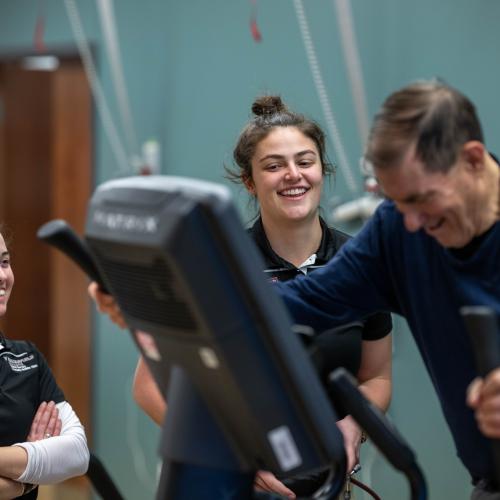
(293, 173)
(413, 220)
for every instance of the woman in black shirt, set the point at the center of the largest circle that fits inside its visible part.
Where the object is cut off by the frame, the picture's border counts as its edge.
(41, 439)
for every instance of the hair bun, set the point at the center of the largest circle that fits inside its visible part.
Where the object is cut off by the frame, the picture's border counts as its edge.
(268, 105)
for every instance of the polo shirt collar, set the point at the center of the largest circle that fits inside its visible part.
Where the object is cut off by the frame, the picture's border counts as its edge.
(323, 254)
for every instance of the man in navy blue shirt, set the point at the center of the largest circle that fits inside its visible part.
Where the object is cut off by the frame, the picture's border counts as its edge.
(431, 248)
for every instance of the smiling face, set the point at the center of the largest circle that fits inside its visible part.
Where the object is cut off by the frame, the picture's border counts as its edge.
(6, 276)
(287, 176)
(449, 206)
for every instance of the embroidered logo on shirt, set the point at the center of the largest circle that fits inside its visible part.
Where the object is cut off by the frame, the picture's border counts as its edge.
(19, 362)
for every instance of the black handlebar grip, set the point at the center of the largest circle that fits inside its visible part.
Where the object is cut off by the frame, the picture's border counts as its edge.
(482, 325)
(370, 418)
(381, 431)
(61, 235)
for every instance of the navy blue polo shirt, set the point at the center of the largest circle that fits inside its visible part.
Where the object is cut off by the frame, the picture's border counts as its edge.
(377, 325)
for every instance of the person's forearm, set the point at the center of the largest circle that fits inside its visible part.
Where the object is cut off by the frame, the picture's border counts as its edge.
(55, 459)
(10, 489)
(147, 394)
(13, 461)
(60, 457)
(378, 391)
(375, 373)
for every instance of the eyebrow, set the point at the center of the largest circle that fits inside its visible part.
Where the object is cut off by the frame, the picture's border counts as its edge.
(411, 198)
(279, 157)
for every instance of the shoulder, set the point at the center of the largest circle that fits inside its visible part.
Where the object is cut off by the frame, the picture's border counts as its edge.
(387, 213)
(339, 237)
(384, 228)
(331, 241)
(258, 235)
(23, 355)
(22, 358)
(18, 346)
(256, 231)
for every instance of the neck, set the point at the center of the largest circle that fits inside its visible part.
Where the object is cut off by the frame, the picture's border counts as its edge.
(294, 241)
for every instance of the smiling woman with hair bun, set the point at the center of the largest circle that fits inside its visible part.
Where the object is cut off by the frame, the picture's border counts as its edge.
(281, 160)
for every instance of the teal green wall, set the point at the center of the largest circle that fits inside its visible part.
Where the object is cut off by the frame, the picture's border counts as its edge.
(192, 71)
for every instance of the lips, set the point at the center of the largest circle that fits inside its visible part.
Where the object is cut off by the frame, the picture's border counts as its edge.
(434, 227)
(293, 192)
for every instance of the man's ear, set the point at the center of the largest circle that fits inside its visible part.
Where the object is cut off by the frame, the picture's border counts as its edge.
(250, 186)
(474, 153)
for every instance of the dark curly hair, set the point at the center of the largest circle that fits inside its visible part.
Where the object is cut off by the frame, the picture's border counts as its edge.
(270, 112)
(5, 232)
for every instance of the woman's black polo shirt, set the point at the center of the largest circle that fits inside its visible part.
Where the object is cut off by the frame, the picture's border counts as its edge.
(25, 381)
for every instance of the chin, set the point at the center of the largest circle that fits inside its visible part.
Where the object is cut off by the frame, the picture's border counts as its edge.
(453, 242)
(300, 214)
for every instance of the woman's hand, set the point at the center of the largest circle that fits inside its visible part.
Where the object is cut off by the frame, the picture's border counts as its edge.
(267, 481)
(46, 422)
(106, 304)
(352, 440)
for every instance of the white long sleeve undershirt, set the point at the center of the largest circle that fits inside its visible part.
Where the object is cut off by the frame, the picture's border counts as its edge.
(60, 457)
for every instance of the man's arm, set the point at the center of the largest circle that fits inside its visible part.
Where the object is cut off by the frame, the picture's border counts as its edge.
(355, 283)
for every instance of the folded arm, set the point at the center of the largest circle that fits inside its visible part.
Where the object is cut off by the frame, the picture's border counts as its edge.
(49, 460)
(10, 489)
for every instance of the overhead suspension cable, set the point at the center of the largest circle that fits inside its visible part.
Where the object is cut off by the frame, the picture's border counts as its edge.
(108, 27)
(103, 110)
(352, 60)
(331, 122)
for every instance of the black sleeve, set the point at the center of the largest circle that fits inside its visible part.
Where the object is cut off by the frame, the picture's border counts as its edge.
(377, 326)
(49, 390)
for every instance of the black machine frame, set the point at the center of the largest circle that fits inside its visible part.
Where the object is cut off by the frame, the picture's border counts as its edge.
(174, 254)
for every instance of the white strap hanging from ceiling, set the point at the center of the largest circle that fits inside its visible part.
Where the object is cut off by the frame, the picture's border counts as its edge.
(123, 163)
(353, 64)
(331, 122)
(108, 28)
